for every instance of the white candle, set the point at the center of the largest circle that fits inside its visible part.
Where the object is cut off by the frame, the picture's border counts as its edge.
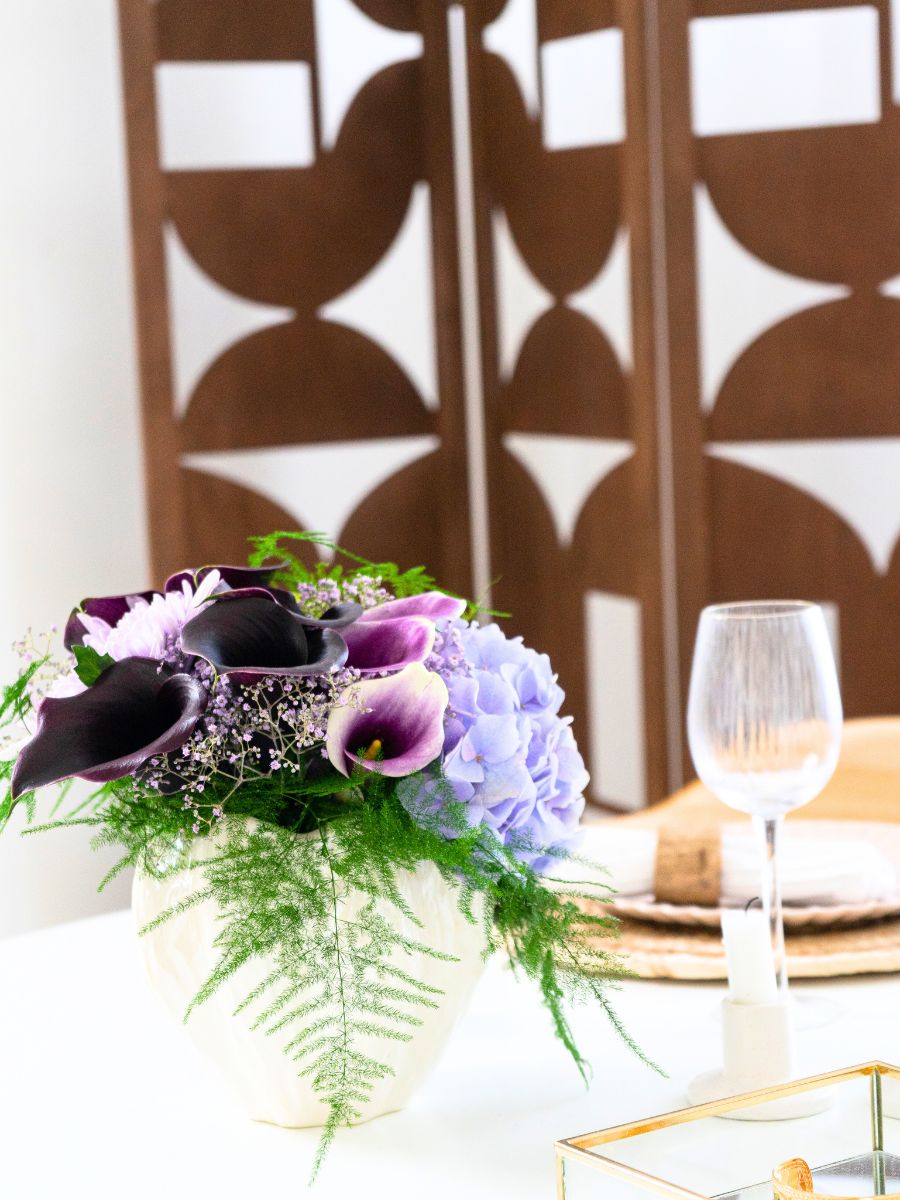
(751, 964)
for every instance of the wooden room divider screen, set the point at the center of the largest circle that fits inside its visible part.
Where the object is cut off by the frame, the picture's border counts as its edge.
(592, 306)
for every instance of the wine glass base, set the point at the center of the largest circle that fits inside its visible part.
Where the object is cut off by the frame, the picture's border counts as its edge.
(714, 1085)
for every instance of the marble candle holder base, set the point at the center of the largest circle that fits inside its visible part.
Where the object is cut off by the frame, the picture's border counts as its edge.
(757, 1048)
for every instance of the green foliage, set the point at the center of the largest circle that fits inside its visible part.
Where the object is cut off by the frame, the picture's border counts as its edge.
(344, 566)
(303, 868)
(6, 801)
(89, 665)
(15, 700)
(283, 861)
(15, 708)
(335, 979)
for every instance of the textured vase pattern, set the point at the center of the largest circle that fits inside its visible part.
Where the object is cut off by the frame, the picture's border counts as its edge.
(180, 955)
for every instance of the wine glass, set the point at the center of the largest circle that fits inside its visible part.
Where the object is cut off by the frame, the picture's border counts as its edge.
(764, 722)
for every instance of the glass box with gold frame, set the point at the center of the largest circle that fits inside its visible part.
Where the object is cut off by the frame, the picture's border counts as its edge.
(850, 1147)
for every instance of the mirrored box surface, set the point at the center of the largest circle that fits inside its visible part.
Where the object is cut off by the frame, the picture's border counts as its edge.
(693, 1154)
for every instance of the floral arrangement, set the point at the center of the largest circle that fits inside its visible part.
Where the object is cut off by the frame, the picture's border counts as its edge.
(352, 702)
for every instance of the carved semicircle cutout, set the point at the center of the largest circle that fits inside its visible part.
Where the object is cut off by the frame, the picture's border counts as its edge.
(205, 318)
(405, 516)
(725, 269)
(301, 480)
(306, 381)
(394, 304)
(352, 48)
(856, 478)
(567, 470)
(521, 298)
(589, 398)
(214, 540)
(353, 200)
(606, 300)
(513, 37)
(831, 371)
(395, 14)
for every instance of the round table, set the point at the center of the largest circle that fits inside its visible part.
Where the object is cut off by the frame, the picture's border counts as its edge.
(102, 1096)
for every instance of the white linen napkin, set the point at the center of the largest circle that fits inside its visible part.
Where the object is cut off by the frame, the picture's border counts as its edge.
(815, 870)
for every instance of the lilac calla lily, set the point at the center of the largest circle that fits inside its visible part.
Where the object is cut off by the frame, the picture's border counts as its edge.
(401, 729)
(134, 711)
(253, 634)
(388, 645)
(436, 606)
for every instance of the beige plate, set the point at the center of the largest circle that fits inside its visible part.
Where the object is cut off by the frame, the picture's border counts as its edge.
(812, 916)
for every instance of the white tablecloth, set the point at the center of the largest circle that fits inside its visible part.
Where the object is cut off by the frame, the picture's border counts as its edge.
(102, 1097)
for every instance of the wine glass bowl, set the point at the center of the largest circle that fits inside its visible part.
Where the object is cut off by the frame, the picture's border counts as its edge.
(764, 711)
(765, 722)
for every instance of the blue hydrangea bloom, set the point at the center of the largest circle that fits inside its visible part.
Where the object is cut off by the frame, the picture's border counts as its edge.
(508, 754)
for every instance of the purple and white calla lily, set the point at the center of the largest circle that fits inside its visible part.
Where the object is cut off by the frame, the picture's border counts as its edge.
(135, 710)
(436, 606)
(388, 645)
(393, 725)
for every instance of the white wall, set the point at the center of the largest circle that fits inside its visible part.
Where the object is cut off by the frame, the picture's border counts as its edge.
(71, 486)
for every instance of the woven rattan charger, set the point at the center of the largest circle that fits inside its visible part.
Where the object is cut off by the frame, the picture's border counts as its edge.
(865, 787)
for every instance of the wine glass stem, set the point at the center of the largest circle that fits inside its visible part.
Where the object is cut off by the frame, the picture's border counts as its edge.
(769, 832)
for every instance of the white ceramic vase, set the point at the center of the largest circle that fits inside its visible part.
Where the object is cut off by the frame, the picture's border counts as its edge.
(179, 956)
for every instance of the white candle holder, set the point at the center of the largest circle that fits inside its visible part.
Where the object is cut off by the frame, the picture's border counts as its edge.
(757, 1052)
(757, 1029)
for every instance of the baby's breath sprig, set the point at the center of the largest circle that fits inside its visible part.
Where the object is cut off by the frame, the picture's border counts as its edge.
(264, 733)
(38, 654)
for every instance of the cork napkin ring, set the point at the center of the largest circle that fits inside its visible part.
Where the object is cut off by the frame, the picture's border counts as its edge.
(689, 865)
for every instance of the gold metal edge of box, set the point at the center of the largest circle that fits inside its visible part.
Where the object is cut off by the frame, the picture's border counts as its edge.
(579, 1147)
(649, 1183)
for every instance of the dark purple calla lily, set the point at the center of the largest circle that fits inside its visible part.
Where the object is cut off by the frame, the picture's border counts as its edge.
(258, 580)
(112, 608)
(402, 729)
(436, 606)
(134, 711)
(336, 617)
(254, 635)
(285, 598)
(388, 645)
(232, 577)
(108, 608)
